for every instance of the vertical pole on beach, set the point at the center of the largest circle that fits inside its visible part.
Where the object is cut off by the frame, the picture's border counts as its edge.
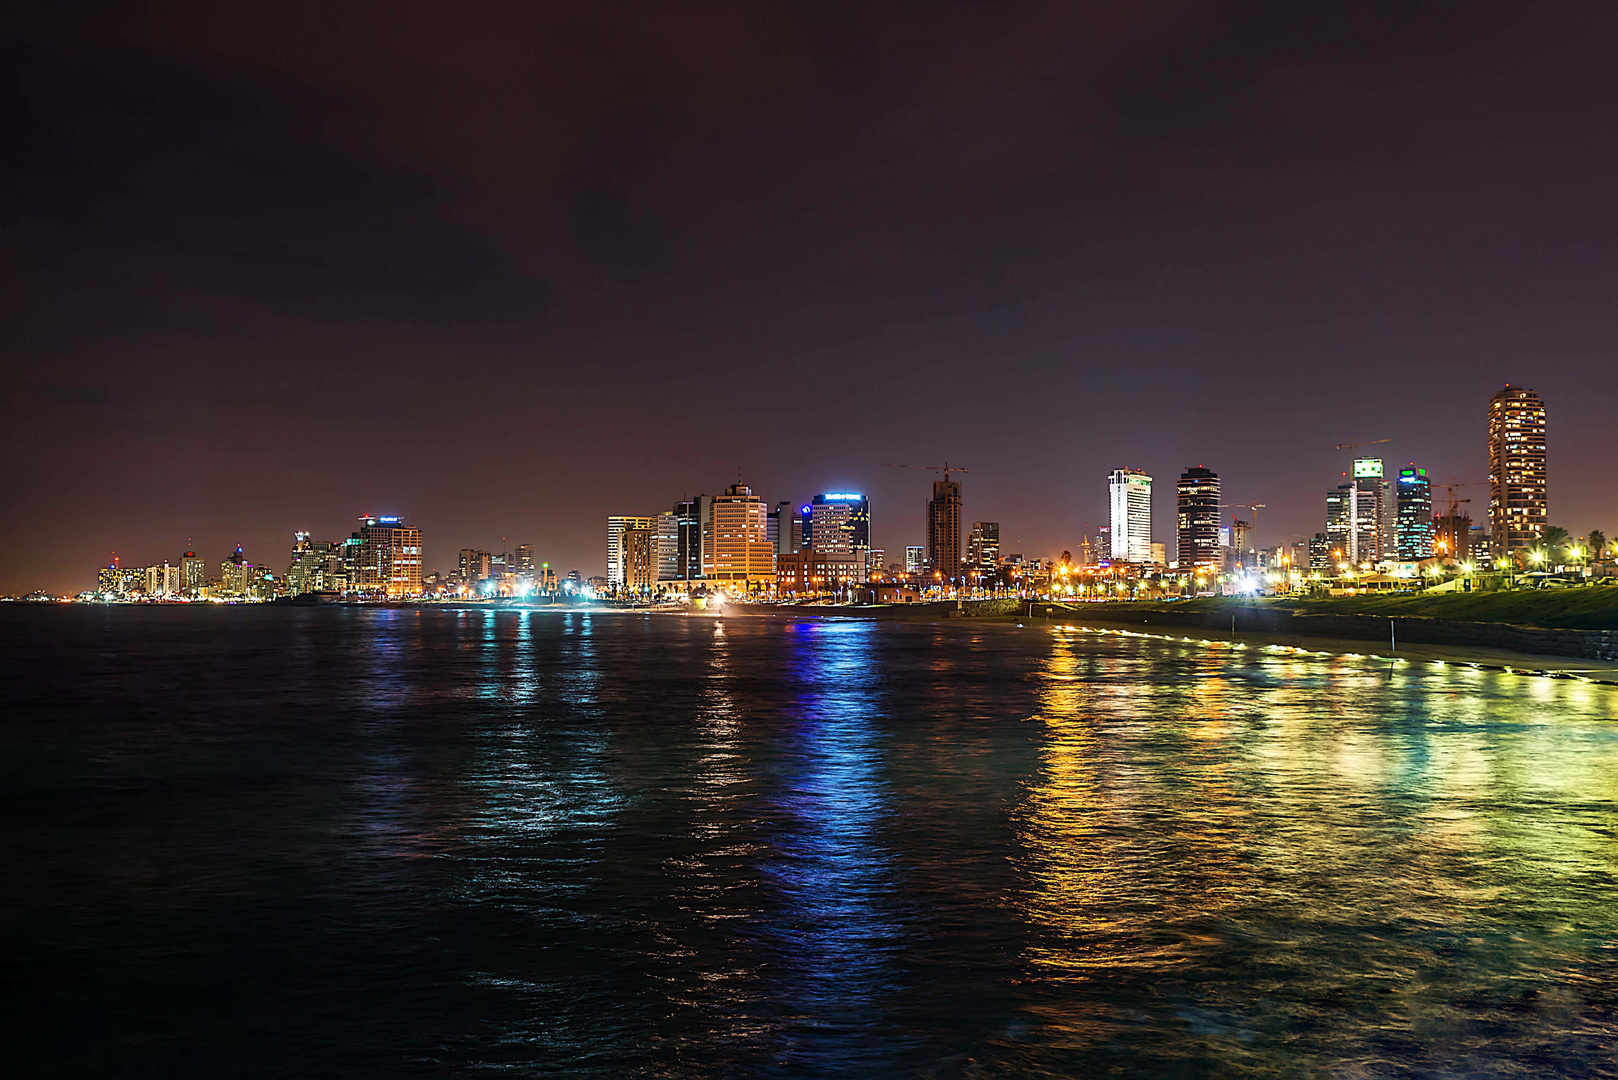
(1393, 647)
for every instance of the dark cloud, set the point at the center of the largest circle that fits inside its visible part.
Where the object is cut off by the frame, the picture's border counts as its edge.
(301, 247)
(130, 178)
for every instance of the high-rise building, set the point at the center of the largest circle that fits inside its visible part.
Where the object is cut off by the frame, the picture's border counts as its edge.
(1320, 549)
(944, 530)
(838, 523)
(1414, 531)
(1241, 542)
(873, 562)
(741, 555)
(1354, 518)
(615, 556)
(915, 559)
(310, 568)
(1197, 517)
(983, 546)
(386, 561)
(639, 570)
(1367, 511)
(786, 528)
(1452, 536)
(1517, 499)
(1131, 503)
(233, 573)
(668, 546)
(162, 580)
(193, 573)
(523, 564)
(679, 543)
(474, 567)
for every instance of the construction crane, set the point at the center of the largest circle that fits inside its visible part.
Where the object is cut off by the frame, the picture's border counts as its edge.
(1252, 537)
(945, 468)
(1352, 444)
(1449, 519)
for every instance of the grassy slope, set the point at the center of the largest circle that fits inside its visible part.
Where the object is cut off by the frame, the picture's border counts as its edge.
(1592, 607)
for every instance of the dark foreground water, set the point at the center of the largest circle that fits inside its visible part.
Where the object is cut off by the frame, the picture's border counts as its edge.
(394, 842)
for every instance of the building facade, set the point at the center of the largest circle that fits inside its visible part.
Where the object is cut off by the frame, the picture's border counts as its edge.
(742, 555)
(616, 525)
(915, 559)
(1196, 521)
(944, 530)
(1130, 492)
(1517, 492)
(639, 569)
(1452, 536)
(1413, 531)
(386, 560)
(310, 568)
(983, 547)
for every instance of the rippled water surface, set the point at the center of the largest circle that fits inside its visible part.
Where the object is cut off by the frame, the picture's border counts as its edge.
(280, 842)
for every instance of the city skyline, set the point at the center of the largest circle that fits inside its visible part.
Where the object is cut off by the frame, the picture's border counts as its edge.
(1390, 528)
(738, 542)
(1037, 240)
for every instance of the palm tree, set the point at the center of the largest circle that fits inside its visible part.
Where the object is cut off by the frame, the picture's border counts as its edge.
(1555, 538)
(1597, 541)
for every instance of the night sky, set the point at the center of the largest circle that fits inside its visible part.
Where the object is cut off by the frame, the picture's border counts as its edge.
(508, 269)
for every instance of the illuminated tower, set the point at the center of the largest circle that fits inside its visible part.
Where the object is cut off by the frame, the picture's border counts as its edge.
(1197, 518)
(1516, 470)
(615, 555)
(1414, 528)
(388, 561)
(838, 523)
(193, 573)
(1131, 501)
(739, 524)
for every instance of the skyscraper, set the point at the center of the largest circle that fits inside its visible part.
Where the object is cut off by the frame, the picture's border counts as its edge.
(679, 543)
(668, 546)
(615, 529)
(786, 528)
(233, 573)
(1131, 502)
(1197, 517)
(1517, 501)
(474, 567)
(983, 546)
(1241, 542)
(523, 564)
(1414, 530)
(915, 559)
(944, 529)
(1365, 512)
(310, 568)
(1452, 536)
(838, 522)
(639, 569)
(388, 562)
(193, 573)
(742, 554)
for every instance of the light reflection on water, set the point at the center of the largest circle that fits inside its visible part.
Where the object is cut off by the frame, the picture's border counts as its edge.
(1362, 876)
(597, 844)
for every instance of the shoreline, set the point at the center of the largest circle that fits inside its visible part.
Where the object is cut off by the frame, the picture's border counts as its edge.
(1479, 657)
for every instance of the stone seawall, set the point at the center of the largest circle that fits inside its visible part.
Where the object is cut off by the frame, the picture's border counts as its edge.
(1585, 644)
